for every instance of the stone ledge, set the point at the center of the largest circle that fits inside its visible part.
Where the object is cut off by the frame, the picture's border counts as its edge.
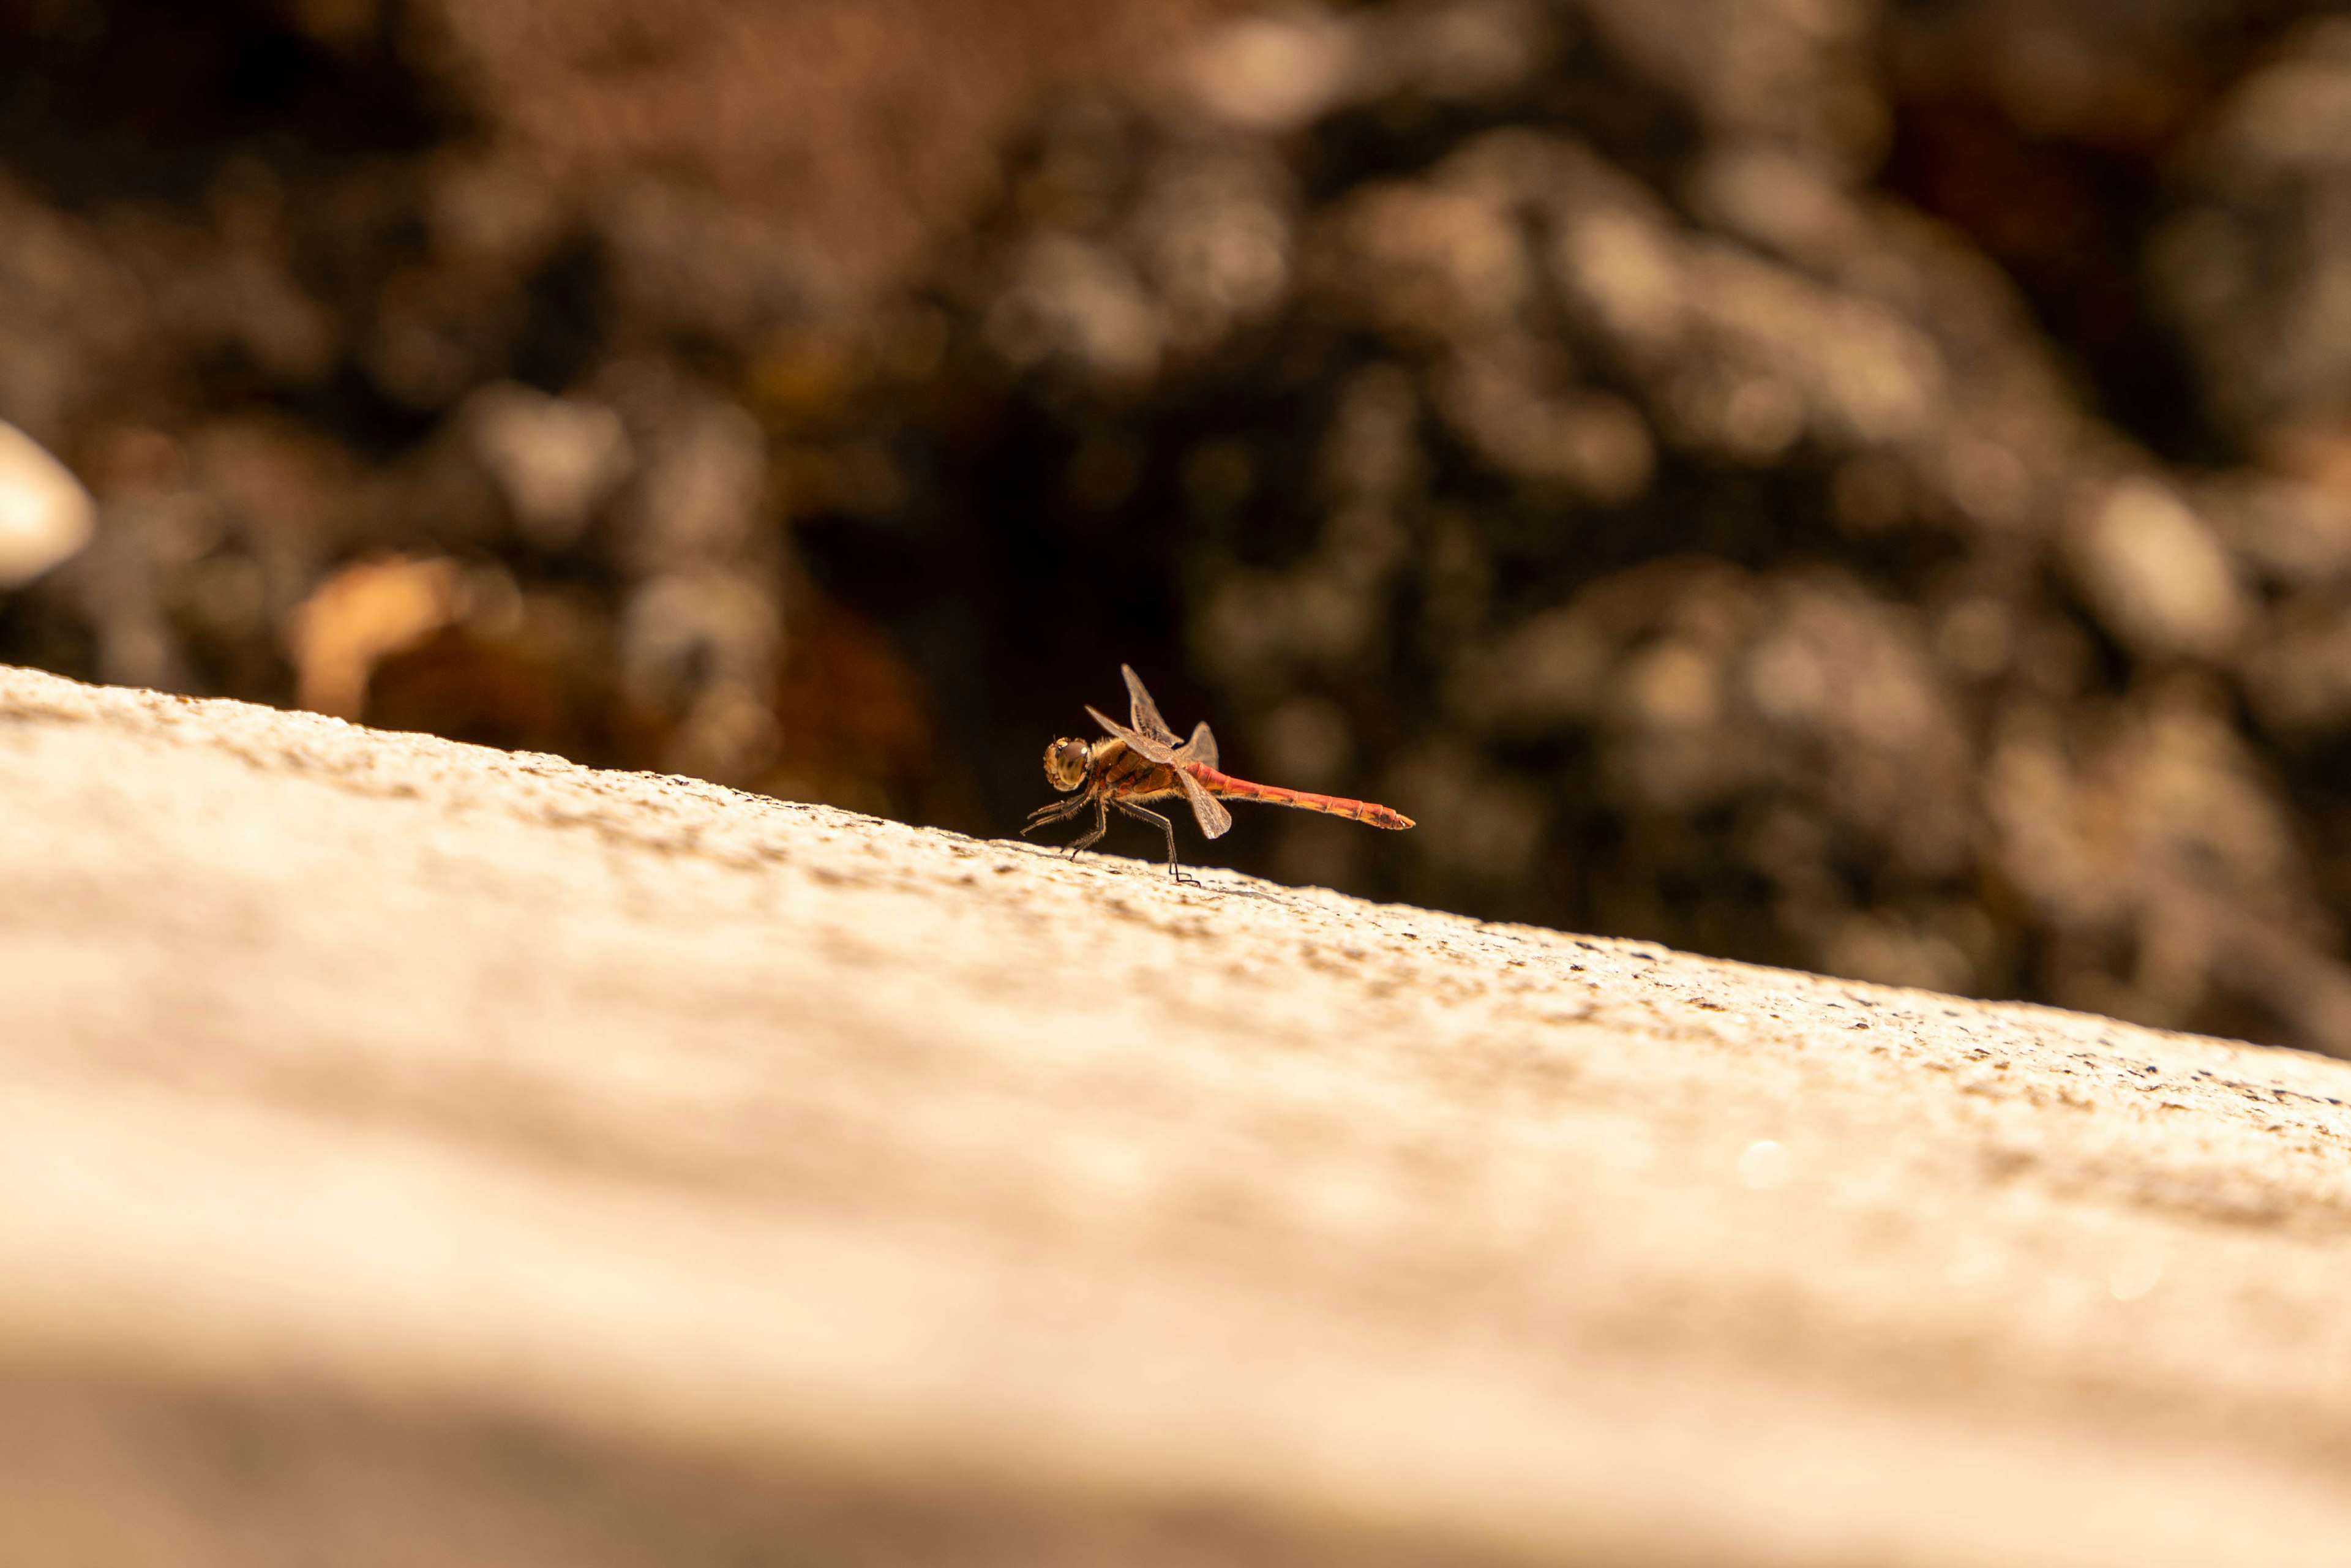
(403, 1143)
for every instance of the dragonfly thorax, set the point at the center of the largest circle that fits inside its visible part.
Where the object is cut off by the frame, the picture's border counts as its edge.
(1066, 764)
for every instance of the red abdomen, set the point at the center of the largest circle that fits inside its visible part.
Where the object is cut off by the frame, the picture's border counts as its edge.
(1363, 811)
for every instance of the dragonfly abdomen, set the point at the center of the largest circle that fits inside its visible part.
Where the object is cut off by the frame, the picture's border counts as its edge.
(1364, 812)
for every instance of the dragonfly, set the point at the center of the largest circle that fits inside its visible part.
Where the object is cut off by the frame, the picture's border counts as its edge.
(1143, 760)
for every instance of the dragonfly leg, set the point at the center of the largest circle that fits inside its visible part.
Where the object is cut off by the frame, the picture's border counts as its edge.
(1142, 814)
(1102, 826)
(1057, 811)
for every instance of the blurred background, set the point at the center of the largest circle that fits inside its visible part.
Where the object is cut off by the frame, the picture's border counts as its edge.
(1864, 486)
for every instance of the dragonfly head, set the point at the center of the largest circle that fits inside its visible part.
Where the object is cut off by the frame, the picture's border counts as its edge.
(1066, 762)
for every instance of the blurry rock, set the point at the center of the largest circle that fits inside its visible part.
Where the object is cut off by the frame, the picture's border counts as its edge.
(1215, 238)
(2299, 673)
(1671, 733)
(1306, 739)
(1592, 443)
(1271, 73)
(1976, 637)
(1258, 622)
(853, 726)
(1796, 74)
(1784, 201)
(1547, 673)
(727, 734)
(361, 615)
(1370, 459)
(1864, 720)
(2115, 76)
(555, 459)
(488, 209)
(2157, 828)
(1986, 479)
(2157, 577)
(684, 631)
(2315, 453)
(704, 483)
(1426, 261)
(72, 315)
(1080, 303)
(529, 670)
(1622, 265)
(224, 281)
(46, 515)
(1871, 494)
(2291, 532)
(1894, 953)
(153, 537)
(2255, 264)
(436, 332)
(1490, 827)
(750, 161)
(689, 259)
(1746, 354)
(461, 683)
(292, 497)
(1855, 372)
(1467, 50)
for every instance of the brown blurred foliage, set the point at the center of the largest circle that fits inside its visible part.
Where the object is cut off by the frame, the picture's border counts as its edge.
(1863, 488)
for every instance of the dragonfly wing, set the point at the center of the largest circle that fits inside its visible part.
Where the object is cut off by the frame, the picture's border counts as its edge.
(1206, 809)
(1149, 750)
(1202, 748)
(1145, 711)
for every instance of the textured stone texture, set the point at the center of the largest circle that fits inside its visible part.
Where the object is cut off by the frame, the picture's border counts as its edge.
(411, 1152)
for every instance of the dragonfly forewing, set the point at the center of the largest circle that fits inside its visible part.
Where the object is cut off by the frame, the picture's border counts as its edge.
(1202, 748)
(1144, 711)
(1150, 749)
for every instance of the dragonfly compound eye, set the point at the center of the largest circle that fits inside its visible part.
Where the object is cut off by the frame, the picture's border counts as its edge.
(1065, 764)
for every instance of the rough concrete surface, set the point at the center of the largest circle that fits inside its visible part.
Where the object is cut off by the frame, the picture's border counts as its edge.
(413, 1153)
